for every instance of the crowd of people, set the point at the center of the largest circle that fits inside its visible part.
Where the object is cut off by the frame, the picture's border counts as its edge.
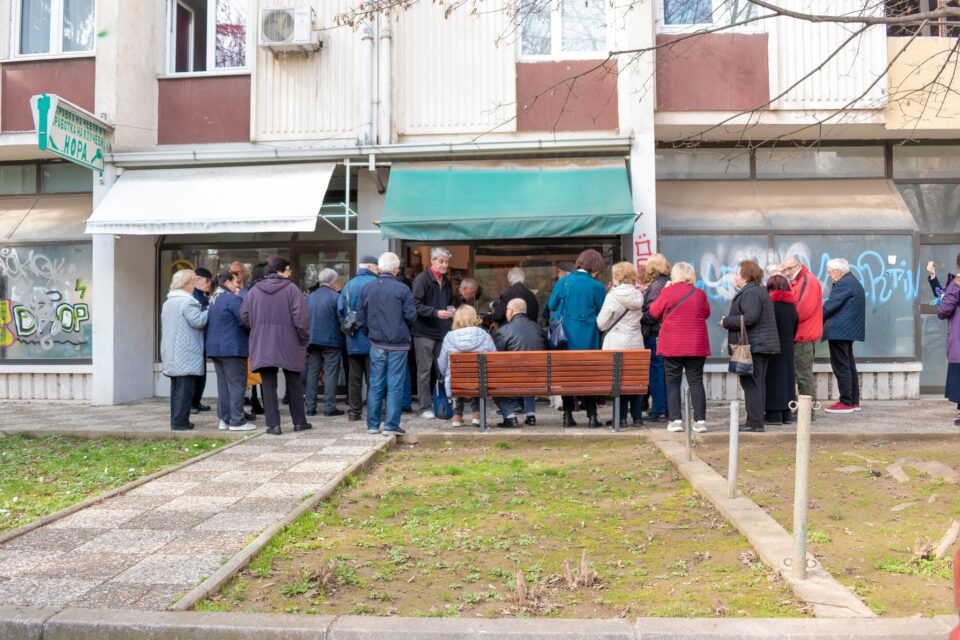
(254, 330)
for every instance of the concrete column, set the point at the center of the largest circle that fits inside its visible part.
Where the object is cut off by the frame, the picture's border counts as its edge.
(370, 208)
(635, 28)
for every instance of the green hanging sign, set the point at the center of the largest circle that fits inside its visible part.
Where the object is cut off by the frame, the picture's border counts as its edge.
(66, 130)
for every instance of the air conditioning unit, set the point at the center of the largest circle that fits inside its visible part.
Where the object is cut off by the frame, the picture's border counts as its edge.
(289, 29)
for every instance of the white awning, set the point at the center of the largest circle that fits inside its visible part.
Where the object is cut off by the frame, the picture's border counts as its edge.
(247, 199)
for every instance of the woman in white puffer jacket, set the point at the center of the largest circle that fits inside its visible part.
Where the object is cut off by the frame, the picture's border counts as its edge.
(620, 318)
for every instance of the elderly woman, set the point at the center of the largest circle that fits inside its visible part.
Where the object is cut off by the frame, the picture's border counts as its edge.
(182, 323)
(947, 310)
(620, 317)
(682, 310)
(516, 278)
(655, 276)
(576, 300)
(276, 314)
(227, 347)
(466, 337)
(752, 308)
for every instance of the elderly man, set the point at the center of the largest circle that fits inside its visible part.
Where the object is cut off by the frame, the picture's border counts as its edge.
(323, 348)
(844, 319)
(469, 293)
(520, 333)
(358, 345)
(202, 292)
(433, 297)
(808, 294)
(385, 314)
(516, 278)
(239, 271)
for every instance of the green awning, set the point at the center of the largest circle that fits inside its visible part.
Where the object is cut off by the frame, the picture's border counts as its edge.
(470, 202)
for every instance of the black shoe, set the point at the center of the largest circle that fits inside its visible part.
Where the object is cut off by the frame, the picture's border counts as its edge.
(303, 427)
(531, 420)
(638, 422)
(194, 411)
(406, 410)
(593, 422)
(201, 407)
(656, 417)
(187, 427)
(274, 431)
(393, 432)
(354, 417)
(286, 400)
(509, 423)
(568, 420)
(247, 402)
(311, 412)
(335, 412)
(956, 422)
(753, 429)
(623, 423)
(249, 416)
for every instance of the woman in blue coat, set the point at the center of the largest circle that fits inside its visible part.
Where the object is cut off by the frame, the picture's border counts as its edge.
(576, 300)
(227, 346)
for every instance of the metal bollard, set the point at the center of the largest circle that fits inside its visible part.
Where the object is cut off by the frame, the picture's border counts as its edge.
(799, 562)
(734, 447)
(688, 424)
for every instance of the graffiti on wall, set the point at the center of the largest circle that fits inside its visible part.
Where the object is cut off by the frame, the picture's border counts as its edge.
(45, 310)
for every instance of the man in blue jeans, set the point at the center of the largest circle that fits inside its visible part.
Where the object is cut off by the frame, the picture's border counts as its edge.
(385, 314)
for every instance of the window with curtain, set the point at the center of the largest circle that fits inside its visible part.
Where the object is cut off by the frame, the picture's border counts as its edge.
(53, 27)
(208, 35)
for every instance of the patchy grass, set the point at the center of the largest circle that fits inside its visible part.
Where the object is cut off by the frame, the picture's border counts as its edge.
(39, 476)
(852, 526)
(584, 530)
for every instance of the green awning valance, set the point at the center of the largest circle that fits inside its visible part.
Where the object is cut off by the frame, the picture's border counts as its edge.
(481, 202)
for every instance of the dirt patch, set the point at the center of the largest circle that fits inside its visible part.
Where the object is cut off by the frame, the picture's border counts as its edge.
(481, 530)
(863, 522)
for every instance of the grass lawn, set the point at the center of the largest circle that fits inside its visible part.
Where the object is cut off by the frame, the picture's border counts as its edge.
(461, 529)
(39, 476)
(862, 523)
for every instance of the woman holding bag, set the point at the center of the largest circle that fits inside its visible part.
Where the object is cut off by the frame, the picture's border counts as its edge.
(620, 318)
(751, 314)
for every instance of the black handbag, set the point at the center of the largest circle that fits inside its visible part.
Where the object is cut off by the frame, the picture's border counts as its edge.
(557, 336)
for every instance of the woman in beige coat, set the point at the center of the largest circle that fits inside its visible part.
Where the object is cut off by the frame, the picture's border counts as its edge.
(620, 318)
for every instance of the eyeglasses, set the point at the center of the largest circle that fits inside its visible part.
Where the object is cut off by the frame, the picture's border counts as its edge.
(237, 273)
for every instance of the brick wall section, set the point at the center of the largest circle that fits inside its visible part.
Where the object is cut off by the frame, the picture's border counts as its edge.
(571, 95)
(70, 78)
(712, 72)
(203, 110)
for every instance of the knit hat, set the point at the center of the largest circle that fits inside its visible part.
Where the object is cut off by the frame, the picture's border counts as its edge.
(203, 273)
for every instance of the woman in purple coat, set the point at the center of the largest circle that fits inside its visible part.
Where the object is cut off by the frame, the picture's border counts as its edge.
(276, 314)
(948, 311)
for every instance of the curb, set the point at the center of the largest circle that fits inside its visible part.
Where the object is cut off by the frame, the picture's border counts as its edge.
(21, 623)
(773, 544)
(823, 436)
(169, 434)
(63, 513)
(216, 580)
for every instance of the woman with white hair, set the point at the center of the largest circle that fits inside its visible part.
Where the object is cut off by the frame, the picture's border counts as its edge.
(182, 324)
(516, 278)
(844, 322)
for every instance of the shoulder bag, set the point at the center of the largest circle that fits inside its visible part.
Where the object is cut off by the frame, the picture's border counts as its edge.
(348, 323)
(557, 337)
(741, 359)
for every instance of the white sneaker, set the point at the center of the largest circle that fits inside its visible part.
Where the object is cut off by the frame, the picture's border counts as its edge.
(428, 415)
(244, 427)
(675, 426)
(457, 421)
(700, 426)
(475, 421)
(223, 426)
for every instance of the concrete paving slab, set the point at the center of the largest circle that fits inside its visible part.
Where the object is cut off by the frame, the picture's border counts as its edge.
(260, 475)
(43, 592)
(92, 624)
(247, 522)
(314, 478)
(131, 503)
(282, 490)
(261, 504)
(198, 503)
(379, 628)
(216, 488)
(171, 569)
(97, 567)
(52, 540)
(140, 541)
(17, 563)
(320, 464)
(23, 623)
(167, 520)
(211, 543)
(166, 487)
(96, 518)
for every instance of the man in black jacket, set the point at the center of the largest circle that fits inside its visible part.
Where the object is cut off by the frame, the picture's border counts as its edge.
(516, 277)
(433, 297)
(520, 333)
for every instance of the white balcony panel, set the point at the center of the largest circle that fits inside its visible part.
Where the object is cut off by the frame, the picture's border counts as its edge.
(314, 97)
(848, 79)
(455, 75)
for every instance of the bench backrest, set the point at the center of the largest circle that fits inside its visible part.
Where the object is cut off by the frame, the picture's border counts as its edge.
(554, 373)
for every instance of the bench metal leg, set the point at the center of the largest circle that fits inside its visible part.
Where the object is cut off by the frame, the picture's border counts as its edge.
(616, 413)
(483, 414)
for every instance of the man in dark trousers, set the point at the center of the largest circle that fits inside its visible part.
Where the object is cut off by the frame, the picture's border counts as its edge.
(326, 340)
(433, 297)
(204, 288)
(844, 322)
(519, 333)
(358, 345)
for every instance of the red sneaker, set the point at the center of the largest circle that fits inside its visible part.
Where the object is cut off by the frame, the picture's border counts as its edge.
(857, 408)
(840, 408)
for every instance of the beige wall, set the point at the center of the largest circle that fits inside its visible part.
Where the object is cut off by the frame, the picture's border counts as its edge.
(923, 89)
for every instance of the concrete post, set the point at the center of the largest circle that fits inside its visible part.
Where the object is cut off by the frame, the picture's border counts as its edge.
(800, 488)
(734, 445)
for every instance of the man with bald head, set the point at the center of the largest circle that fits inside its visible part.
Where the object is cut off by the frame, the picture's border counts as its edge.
(520, 333)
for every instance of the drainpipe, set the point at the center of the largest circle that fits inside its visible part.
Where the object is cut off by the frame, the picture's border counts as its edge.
(385, 131)
(366, 84)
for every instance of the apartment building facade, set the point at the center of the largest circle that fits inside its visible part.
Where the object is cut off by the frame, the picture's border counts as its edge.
(505, 133)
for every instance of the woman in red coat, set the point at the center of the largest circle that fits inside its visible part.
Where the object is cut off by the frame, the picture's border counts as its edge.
(683, 310)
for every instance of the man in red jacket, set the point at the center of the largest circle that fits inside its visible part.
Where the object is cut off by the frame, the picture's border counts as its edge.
(808, 293)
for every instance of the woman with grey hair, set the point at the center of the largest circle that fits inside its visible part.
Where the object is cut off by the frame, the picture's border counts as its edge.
(182, 324)
(518, 289)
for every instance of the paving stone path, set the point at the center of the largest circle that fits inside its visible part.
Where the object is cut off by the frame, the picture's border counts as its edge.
(146, 547)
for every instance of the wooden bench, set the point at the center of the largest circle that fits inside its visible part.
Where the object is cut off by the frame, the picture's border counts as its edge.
(549, 373)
